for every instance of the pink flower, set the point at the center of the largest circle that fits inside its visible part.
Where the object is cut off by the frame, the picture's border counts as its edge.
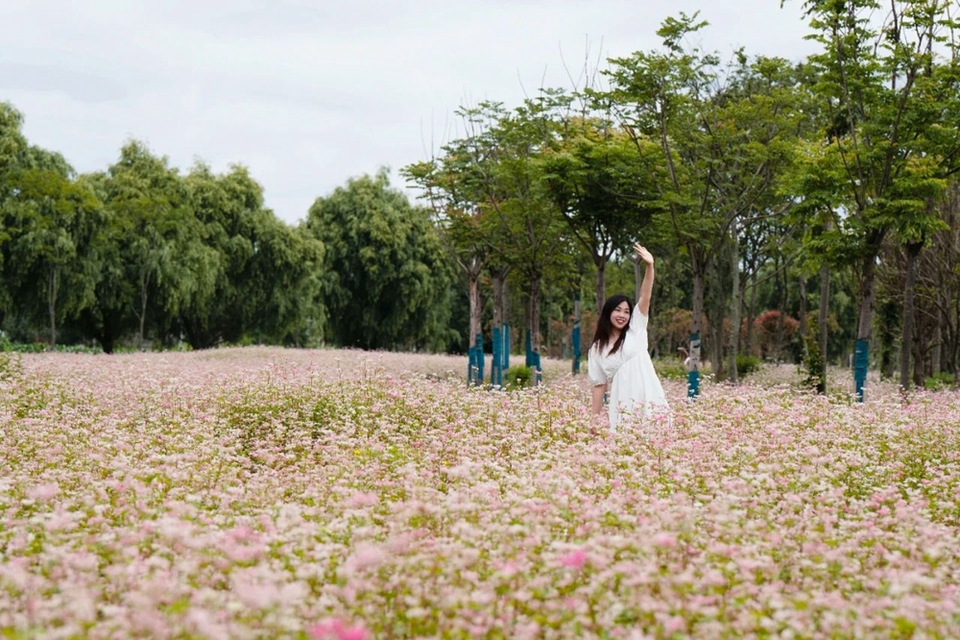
(674, 624)
(44, 492)
(575, 559)
(334, 629)
(362, 499)
(665, 540)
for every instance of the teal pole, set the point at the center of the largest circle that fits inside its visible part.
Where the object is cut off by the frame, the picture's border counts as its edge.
(861, 358)
(479, 348)
(693, 368)
(506, 346)
(576, 334)
(496, 377)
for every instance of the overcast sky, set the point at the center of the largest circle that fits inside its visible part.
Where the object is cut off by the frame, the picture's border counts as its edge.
(308, 93)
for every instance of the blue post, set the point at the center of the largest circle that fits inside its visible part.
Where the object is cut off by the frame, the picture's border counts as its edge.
(693, 369)
(533, 358)
(861, 359)
(506, 347)
(496, 376)
(479, 349)
(576, 334)
(576, 348)
(471, 365)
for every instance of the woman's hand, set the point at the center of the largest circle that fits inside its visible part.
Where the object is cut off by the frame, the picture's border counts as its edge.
(642, 253)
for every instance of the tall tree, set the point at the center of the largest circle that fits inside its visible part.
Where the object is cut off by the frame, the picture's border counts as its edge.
(164, 253)
(51, 268)
(523, 228)
(868, 85)
(606, 194)
(450, 184)
(385, 278)
(710, 128)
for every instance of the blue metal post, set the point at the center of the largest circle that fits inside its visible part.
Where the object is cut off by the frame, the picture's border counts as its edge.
(479, 349)
(471, 365)
(693, 369)
(861, 358)
(576, 334)
(506, 347)
(496, 376)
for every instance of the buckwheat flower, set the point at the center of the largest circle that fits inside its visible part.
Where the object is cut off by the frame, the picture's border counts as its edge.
(665, 540)
(675, 624)
(44, 492)
(206, 624)
(362, 499)
(574, 559)
(334, 629)
(366, 556)
(257, 596)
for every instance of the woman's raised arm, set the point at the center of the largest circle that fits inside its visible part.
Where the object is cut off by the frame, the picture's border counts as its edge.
(646, 287)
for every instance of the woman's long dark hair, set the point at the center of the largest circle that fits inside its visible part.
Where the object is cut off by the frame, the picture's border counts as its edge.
(605, 328)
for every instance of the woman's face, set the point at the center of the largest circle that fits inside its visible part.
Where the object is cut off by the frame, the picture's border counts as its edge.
(620, 317)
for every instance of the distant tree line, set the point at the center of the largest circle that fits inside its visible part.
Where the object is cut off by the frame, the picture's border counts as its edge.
(799, 210)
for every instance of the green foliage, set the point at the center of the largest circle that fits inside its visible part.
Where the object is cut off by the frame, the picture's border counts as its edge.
(814, 362)
(940, 382)
(605, 191)
(386, 280)
(50, 264)
(747, 364)
(670, 368)
(519, 376)
(10, 365)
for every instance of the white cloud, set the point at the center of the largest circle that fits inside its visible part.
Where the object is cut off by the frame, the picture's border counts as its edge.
(308, 93)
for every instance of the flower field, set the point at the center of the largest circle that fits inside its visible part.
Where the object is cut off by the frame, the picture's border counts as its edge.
(248, 493)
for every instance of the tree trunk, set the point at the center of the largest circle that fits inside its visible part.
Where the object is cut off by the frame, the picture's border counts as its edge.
(937, 350)
(696, 322)
(784, 297)
(823, 314)
(735, 305)
(53, 287)
(802, 327)
(909, 313)
(864, 324)
(143, 309)
(751, 318)
(696, 327)
(499, 278)
(716, 312)
(473, 286)
(534, 314)
(601, 283)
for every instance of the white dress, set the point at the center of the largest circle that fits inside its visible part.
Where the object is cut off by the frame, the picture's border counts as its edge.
(634, 388)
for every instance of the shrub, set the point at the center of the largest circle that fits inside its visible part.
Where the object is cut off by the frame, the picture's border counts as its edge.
(747, 364)
(939, 382)
(519, 376)
(814, 363)
(670, 369)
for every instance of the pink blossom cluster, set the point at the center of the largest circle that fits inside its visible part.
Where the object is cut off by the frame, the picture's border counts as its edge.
(248, 493)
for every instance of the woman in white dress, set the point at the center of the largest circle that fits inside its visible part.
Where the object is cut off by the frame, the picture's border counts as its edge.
(618, 362)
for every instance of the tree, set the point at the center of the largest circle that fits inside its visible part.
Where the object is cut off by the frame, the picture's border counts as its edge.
(450, 183)
(604, 192)
(720, 137)
(385, 280)
(522, 225)
(163, 250)
(51, 268)
(871, 88)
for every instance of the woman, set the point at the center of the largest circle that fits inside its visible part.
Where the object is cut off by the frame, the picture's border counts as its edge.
(618, 361)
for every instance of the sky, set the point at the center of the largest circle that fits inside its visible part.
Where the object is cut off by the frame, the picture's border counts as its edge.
(309, 93)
